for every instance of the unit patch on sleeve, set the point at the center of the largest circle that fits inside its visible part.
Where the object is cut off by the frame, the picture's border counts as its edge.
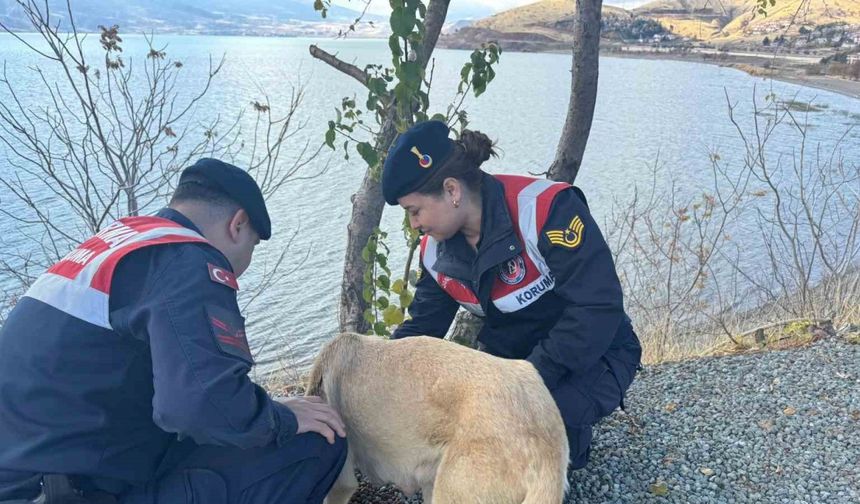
(571, 237)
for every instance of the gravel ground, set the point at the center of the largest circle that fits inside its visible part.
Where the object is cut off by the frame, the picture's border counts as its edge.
(772, 427)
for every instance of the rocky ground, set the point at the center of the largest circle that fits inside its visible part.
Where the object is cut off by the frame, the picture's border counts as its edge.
(766, 427)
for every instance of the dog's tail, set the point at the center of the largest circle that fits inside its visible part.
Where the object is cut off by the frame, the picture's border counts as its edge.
(324, 365)
(314, 383)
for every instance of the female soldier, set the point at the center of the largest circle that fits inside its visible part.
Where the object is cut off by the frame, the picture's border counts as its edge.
(526, 256)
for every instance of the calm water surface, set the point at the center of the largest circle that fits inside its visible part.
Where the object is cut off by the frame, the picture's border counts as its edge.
(646, 110)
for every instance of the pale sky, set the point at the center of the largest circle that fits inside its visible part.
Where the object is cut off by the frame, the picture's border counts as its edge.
(471, 8)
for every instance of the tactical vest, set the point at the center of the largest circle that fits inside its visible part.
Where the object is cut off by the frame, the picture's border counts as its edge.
(524, 279)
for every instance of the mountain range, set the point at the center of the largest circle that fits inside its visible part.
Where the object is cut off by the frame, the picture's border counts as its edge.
(547, 24)
(213, 17)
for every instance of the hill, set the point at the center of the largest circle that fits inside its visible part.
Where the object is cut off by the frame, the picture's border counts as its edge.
(544, 25)
(726, 21)
(547, 24)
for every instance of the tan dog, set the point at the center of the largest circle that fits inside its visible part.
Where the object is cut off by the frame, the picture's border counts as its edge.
(460, 425)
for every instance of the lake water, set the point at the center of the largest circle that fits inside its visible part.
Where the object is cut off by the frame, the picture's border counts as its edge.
(646, 109)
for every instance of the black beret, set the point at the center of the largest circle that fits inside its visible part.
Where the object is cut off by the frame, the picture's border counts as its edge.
(238, 185)
(413, 157)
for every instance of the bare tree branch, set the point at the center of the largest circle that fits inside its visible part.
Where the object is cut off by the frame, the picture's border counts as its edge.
(332, 60)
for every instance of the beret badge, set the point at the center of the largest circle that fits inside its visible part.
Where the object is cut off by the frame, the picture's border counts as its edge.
(424, 160)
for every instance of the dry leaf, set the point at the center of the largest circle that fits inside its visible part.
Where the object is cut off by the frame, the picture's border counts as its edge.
(671, 407)
(707, 471)
(856, 415)
(789, 411)
(659, 488)
(767, 425)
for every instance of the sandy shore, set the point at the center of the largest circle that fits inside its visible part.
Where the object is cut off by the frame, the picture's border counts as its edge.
(780, 68)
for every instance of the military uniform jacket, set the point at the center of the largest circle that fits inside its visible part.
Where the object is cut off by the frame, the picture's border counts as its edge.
(130, 343)
(543, 279)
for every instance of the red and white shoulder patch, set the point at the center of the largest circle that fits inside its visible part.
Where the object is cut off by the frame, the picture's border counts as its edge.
(222, 276)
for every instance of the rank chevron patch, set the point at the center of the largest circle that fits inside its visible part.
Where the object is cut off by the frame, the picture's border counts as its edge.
(570, 237)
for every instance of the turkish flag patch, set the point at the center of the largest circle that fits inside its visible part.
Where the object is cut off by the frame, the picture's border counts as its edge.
(228, 328)
(222, 276)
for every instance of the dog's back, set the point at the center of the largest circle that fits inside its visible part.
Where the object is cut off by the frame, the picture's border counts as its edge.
(428, 414)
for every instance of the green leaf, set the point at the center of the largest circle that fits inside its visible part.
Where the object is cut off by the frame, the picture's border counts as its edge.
(367, 293)
(329, 135)
(319, 6)
(479, 85)
(406, 298)
(412, 74)
(392, 316)
(368, 153)
(377, 86)
(380, 329)
(402, 21)
(383, 282)
(368, 316)
(365, 254)
(382, 302)
(382, 260)
(394, 46)
(425, 100)
(464, 73)
(397, 286)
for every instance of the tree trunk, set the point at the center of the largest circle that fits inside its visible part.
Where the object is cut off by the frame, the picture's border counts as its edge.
(367, 207)
(368, 203)
(583, 92)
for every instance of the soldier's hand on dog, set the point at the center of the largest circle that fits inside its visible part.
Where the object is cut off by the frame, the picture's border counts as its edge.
(315, 415)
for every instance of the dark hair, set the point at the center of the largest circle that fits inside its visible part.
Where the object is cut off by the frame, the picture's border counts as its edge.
(463, 164)
(193, 188)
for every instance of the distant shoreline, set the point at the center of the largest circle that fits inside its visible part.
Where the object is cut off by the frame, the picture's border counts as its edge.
(785, 68)
(781, 69)
(789, 68)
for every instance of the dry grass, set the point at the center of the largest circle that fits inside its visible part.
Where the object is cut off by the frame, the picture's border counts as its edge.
(754, 70)
(544, 13)
(688, 27)
(552, 18)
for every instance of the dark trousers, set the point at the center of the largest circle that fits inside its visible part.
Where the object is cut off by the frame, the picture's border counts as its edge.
(300, 472)
(583, 400)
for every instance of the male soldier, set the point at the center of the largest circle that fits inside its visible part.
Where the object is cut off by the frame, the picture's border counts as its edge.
(123, 370)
